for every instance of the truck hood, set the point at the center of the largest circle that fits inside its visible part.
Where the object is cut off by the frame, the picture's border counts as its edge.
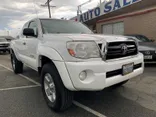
(92, 37)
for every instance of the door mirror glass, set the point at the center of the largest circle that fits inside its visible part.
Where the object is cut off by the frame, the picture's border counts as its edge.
(29, 32)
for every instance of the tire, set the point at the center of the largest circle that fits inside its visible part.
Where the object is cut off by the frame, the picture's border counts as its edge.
(120, 84)
(16, 64)
(63, 97)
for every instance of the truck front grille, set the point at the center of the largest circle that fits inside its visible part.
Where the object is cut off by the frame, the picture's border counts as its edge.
(4, 45)
(121, 49)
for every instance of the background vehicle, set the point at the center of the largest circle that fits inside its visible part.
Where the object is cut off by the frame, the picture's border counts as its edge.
(146, 46)
(69, 57)
(4, 45)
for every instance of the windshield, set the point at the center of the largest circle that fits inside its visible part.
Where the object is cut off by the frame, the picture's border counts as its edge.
(63, 26)
(142, 38)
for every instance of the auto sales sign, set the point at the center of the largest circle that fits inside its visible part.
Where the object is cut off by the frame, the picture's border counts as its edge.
(106, 7)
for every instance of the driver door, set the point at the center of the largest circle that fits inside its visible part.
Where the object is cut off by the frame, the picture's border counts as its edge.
(31, 44)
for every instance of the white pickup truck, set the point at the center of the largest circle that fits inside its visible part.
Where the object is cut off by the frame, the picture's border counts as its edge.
(69, 57)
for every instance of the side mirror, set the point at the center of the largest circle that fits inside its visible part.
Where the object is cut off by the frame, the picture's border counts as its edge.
(29, 32)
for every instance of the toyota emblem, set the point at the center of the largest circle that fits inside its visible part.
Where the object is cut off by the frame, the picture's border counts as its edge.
(124, 49)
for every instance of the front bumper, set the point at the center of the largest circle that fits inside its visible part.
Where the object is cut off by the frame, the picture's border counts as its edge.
(97, 70)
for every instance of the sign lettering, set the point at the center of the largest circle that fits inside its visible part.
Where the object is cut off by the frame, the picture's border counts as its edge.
(104, 8)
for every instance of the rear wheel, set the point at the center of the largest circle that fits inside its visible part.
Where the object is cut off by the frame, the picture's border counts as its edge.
(16, 64)
(56, 95)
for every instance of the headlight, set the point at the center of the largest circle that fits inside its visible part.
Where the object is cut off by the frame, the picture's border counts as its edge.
(83, 50)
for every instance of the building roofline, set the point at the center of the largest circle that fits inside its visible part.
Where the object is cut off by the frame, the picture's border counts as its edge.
(128, 15)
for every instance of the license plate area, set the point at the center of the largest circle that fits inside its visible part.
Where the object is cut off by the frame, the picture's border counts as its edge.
(127, 69)
(148, 57)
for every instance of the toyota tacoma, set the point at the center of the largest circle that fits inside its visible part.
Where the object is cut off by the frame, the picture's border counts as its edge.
(69, 57)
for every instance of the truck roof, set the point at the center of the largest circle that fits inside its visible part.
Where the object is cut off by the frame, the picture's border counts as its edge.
(51, 19)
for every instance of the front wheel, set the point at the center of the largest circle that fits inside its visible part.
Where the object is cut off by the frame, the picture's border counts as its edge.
(16, 64)
(56, 95)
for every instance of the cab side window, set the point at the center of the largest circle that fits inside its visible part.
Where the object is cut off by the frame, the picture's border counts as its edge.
(33, 25)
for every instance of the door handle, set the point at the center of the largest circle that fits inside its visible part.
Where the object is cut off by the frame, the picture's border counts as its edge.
(24, 43)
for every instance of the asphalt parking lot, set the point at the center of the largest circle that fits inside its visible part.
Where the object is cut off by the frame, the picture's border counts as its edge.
(21, 96)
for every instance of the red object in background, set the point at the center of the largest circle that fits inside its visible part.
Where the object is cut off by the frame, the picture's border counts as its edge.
(76, 19)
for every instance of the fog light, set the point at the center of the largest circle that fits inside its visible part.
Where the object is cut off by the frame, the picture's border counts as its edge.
(83, 75)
